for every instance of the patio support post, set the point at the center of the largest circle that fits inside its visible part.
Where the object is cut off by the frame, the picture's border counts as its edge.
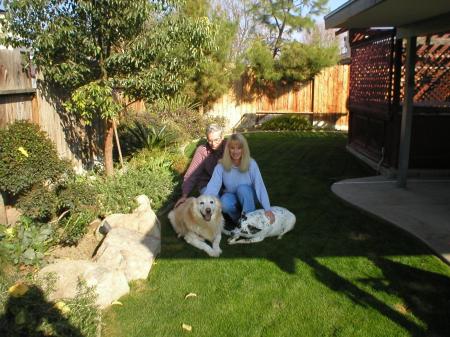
(407, 112)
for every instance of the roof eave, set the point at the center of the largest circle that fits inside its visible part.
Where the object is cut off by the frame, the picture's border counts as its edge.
(338, 17)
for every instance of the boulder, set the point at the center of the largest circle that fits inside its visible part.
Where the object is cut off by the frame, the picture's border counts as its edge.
(129, 252)
(110, 284)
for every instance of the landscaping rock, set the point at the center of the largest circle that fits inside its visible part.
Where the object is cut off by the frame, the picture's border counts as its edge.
(109, 284)
(142, 220)
(128, 251)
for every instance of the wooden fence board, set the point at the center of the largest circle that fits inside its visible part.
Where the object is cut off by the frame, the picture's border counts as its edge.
(326, 94)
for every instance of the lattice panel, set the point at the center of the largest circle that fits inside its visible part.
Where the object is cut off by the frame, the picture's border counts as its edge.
(371, 70)
(432, 79)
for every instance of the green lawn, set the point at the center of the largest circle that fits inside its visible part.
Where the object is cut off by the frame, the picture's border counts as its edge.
(340, 272)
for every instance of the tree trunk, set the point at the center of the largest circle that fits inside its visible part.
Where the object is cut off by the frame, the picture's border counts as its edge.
(108, 148)
(3, 218)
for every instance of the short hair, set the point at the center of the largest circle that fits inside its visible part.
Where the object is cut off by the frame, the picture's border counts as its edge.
(245, 160)
(214, 128)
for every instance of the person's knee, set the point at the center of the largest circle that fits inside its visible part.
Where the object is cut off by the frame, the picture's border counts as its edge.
(229, 205)
(244, 190)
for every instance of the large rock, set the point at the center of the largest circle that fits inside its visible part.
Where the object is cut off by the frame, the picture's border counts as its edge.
(128, 251)
(142, 220)
(110, 284)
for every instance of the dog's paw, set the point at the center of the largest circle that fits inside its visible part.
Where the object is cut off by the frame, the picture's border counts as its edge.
(232, 240)
(215, 253)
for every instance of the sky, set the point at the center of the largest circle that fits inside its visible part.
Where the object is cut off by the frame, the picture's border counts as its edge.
(333, 4)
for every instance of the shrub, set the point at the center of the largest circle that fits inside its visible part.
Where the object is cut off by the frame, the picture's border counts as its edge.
(27, 242)
(26, 150)
(79, 194)
(79, 199)
(145, 132)
(73, 227)
(39, 203)
(184, 117)
(149, 173)
(288, 122)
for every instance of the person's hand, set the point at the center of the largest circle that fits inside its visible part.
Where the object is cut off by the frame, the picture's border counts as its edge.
(180, 201)
(269, 214)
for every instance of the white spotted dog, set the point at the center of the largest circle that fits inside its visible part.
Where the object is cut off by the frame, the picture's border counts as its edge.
(255, 226)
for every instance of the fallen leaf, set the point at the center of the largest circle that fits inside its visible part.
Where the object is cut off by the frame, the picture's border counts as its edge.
(186, 327)
(23, 151)
(116, 303)
(18, 289)
(63, 307)
(190, 295)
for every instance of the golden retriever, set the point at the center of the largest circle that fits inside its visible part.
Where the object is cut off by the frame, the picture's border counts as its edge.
(197, 220)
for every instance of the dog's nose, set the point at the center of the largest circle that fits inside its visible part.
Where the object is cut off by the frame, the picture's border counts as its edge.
(208, 210)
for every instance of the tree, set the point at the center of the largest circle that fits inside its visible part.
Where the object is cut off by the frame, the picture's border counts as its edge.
(215, 73)
(285, 17)
(99, 50)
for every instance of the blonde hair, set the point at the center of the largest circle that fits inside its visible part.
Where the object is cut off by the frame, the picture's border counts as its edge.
(245, 159)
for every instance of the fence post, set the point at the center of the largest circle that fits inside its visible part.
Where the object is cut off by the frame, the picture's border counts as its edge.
(3, 218)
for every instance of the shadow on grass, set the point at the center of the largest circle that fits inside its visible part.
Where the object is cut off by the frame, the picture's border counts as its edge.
(300, 179)
(31, 315)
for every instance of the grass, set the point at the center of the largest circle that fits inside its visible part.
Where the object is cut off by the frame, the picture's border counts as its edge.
(340, 272)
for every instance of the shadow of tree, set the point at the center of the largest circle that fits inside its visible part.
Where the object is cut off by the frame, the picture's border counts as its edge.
(328, 228)
(31, 315)
(83, 140)
(424, 293)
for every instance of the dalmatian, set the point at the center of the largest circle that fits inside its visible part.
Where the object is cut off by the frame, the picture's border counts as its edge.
(255, 226)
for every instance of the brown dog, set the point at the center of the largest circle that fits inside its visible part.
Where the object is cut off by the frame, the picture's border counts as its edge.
(197, 220)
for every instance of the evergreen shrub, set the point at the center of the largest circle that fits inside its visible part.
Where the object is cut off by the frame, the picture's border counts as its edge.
(27, 157)
(40, 203)
(288, 122)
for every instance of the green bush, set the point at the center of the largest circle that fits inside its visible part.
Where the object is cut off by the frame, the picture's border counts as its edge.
(27, 157)
(73, 227)
(145, 132)
(39, 203)
(184, 117)
(78, 198)
(27, 241)
(79, 194)
(288, 122)
(149, 173)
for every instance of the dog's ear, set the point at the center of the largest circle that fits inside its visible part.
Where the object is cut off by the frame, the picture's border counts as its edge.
(218, 203)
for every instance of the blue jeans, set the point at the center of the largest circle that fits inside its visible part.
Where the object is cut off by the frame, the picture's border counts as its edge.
(241, 201)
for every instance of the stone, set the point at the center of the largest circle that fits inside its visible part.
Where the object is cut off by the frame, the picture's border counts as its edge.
(109, 284)
(128, 251)
(142, 220)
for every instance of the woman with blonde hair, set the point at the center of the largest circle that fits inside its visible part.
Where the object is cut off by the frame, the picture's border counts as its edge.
(242, 181)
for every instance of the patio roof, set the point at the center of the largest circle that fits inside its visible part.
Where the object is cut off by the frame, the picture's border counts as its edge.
(410, 17)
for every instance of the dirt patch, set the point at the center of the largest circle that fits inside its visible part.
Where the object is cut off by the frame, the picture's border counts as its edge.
(83, 251)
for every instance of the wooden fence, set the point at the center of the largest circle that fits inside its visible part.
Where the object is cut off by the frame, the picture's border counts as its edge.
(21, 100)
(323, 99)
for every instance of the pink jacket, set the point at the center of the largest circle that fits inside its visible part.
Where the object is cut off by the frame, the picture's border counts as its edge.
(201, 168)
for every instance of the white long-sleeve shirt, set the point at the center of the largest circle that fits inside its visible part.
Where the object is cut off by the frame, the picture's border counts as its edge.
(233, 178)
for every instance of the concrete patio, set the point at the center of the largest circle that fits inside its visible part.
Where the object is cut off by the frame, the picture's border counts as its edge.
(423, 208)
